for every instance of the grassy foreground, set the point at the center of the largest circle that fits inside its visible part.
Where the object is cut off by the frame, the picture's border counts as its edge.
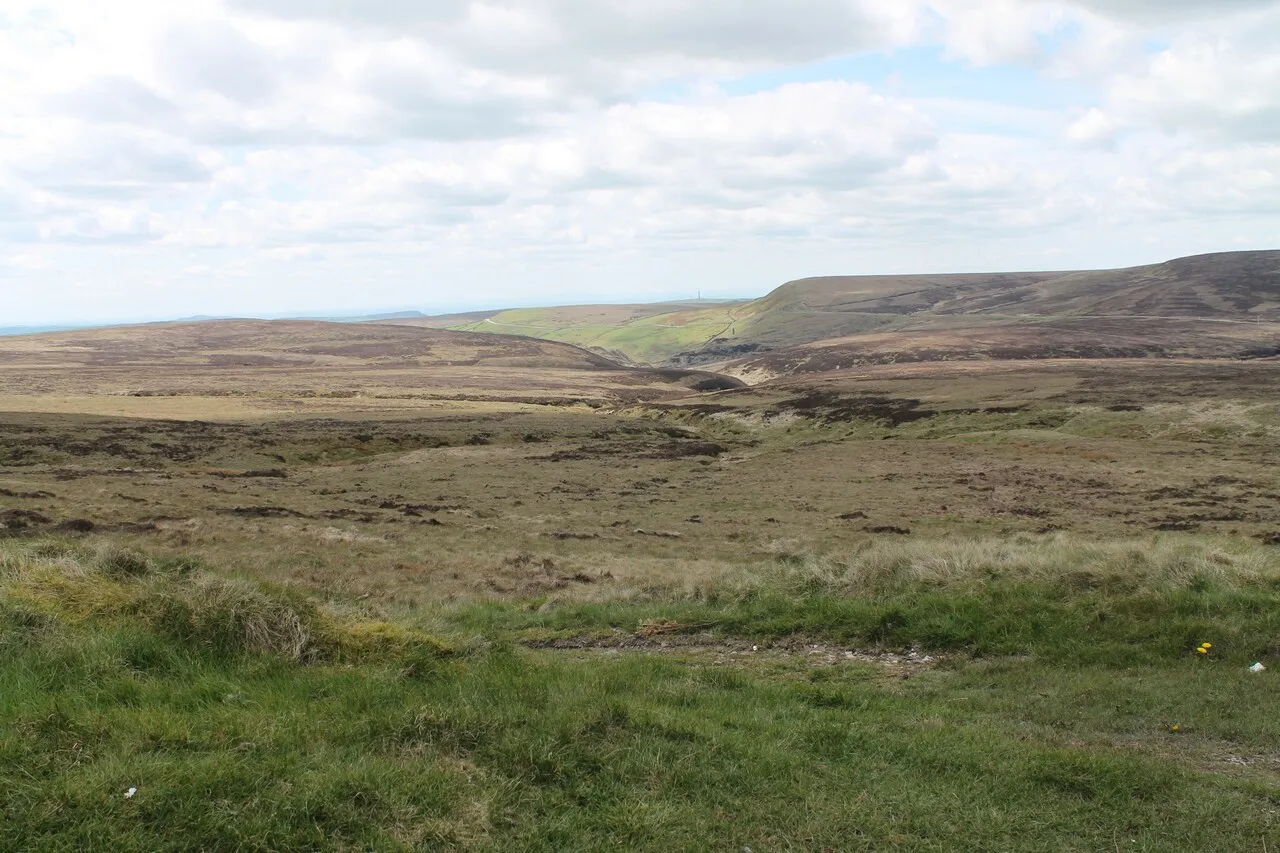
(1065, 711)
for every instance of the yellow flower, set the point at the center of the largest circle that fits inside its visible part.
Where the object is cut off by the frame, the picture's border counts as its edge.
(1206, 645)
(1202, 650)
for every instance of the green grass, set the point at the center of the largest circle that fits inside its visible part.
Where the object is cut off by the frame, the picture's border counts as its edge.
(645, 340)
(253, 718)
(1076, 602)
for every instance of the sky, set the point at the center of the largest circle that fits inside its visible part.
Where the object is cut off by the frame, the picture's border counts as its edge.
(272, 157)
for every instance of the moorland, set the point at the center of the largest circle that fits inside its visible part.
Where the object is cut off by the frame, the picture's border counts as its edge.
(1218, 305)
(933, 574)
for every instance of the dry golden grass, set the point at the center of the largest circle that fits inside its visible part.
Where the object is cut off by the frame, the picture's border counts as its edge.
(1153, 563)
(417, 498)
(194, 407)
(106, 583)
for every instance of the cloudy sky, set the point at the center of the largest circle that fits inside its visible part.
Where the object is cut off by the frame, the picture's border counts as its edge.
(258, 157)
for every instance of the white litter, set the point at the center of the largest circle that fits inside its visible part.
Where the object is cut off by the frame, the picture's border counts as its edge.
(1257, 667)
(129, 793)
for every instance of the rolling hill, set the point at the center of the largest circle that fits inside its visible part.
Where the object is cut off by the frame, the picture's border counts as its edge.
(1208, 306)
(635, 333)
(1017, 339)
(289, 344)
(1218, 305)
(294, 359)
(1227, 286)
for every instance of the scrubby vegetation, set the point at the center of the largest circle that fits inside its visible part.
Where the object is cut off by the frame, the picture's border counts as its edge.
(59, 585)
(947, 607)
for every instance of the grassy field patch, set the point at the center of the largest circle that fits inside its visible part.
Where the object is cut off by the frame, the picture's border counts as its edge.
(258, 719)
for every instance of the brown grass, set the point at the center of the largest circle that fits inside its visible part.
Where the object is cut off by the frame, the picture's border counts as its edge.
(1134, 565)
(441, 499)
(287, 367)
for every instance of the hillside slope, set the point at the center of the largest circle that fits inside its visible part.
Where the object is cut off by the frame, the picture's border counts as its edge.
(628, 333)
(286, 343)
(932, 316)
(823, 308)
(1230, 286)
(293, 358)
(643, 334)
(1209, 306)
(1019, 338)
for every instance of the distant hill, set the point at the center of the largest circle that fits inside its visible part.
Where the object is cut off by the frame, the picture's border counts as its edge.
(377, 318)
(1229, 286)
(30, 330)
(886, 317)
(638, 333)
(308, 358)
(1224, 305)
(1016, 339)
(814, 309)
(439, 321)
(286, 343)
(1209, 306)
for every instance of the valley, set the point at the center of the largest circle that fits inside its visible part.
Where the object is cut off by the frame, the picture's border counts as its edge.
(384, 585)
(1221, 305)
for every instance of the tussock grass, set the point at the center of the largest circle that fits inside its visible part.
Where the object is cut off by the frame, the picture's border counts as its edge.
(1069, 563)
(1070, 600)
(234, 616)
(181, 601)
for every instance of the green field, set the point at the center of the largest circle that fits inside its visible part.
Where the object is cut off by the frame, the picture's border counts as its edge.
(642, 337)
(1055, 711)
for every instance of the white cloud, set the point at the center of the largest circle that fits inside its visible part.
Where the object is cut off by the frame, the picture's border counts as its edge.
(557, 33)
(1093, 128)
(1214, 85)
(268, 153)
(214, 56)
(1165, 11)
(27, 261)
(997, 31)
(1206, 86)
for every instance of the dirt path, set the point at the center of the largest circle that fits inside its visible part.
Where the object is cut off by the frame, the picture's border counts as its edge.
(723, 651)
